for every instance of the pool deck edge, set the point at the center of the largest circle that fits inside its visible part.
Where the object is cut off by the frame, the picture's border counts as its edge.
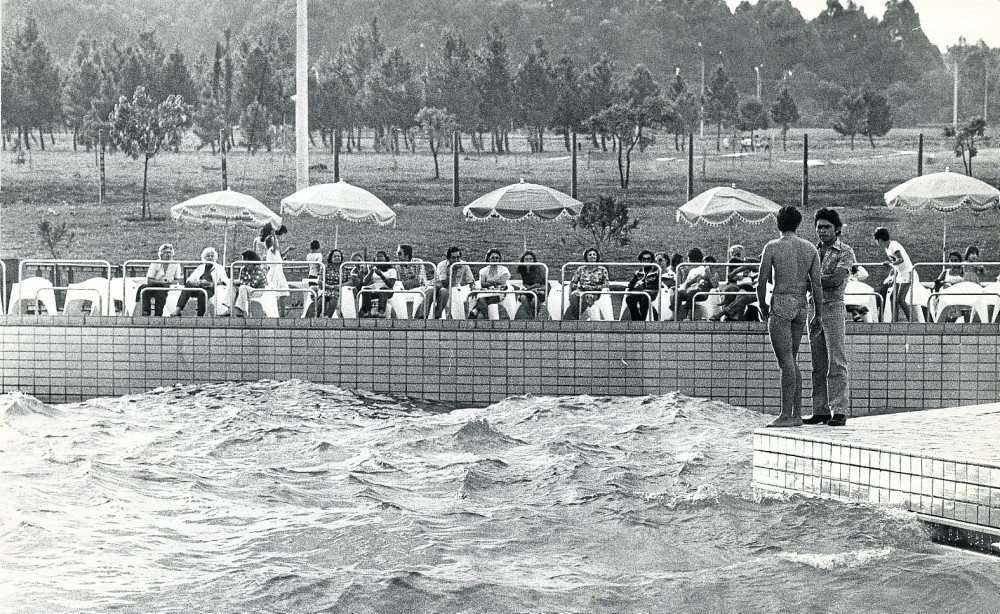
(948, 476)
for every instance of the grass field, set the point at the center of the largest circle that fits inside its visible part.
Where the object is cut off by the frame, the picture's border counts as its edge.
(60, 185)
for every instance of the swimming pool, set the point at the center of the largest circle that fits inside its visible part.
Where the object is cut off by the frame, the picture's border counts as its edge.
(297, 497)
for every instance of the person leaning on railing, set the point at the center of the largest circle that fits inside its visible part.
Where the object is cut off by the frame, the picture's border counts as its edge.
(534, 280)
(588, 278)
(205, 277)
(160, 275)
(446, 278)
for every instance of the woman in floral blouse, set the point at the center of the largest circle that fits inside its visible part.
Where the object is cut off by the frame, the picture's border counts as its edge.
(588, 278)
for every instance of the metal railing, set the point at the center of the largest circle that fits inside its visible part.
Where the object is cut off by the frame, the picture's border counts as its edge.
(166, 290)
(3, 288)
(392, 292)
(937, 313)
(143, 265)
(99, 301)
(368, 265)
(509, 290)
(318, 291)
(251, 292)
(962, 264)
(708, 293)
(55, 263)
(566, 291)
(609, 293)
(878, 301)
(680, 279)
(508, 264)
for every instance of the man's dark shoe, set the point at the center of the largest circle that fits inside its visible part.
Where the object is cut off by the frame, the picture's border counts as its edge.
(838, 420)
(817, 419)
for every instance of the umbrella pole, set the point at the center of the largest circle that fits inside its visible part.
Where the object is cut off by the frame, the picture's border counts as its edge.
(525, 240)
(225, 244)
(729, 244)
(336, 235)
(944, 240)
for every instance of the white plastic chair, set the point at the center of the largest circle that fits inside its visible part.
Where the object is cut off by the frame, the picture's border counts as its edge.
(348, 303)
(404, 302)
(966, 295)
(860, 294)
(554, 302)
(710, 307)
(29, 290)
(94, 291)
(601, 309)
(920, 296)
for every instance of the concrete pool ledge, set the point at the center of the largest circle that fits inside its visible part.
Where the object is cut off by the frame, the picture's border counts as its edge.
(942, 464)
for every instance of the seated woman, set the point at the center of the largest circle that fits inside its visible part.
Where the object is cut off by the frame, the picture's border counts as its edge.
(448, 277)
(646, 279)
(950, 275)
(208, 276)
(491, 277)
(252, 276)
(535, 281)
(975, 274)
(161, 275)
(378, 286)
(332, 282)
(590, 278)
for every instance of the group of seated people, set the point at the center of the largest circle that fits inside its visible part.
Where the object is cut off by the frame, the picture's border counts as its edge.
(685, 282)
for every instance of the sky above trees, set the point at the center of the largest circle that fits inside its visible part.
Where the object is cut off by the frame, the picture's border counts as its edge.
(943, 21)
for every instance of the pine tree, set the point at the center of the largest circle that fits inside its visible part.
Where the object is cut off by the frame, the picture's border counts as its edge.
(853, 113)
(878, 116)
(177, 78)
(534, 91)
(721, 101)
(784, 112)
(494, 83)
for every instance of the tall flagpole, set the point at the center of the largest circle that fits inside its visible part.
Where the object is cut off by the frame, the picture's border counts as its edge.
(301, 96)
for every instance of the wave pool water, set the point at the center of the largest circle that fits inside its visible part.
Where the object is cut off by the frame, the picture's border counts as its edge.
(294, 497)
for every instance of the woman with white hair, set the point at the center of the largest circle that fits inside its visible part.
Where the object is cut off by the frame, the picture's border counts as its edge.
(207, 277)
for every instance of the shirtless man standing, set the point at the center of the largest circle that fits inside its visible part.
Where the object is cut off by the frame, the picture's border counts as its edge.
(796, 269)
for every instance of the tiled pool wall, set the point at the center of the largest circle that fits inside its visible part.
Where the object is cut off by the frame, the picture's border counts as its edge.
(960, 498)
(894, 367)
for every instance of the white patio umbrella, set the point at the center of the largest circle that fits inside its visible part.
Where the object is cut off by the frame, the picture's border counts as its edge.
(720, 206)
(225, 208)
(946, 192)
(338, 201)
(523, 201)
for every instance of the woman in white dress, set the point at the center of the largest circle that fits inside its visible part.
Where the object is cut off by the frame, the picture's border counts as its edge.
(275, 271)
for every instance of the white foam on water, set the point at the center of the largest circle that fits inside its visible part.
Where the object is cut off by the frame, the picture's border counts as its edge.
(837, 560)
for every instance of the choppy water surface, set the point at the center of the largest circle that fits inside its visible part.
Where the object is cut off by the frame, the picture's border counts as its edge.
(293, 497)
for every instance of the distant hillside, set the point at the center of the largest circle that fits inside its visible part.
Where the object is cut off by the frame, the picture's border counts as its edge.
(842, 46)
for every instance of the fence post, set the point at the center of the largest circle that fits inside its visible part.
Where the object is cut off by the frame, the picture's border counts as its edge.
(454, 178)
(336, 155)
(690, 190)
(103, 190)
(920, 155)
(805, 171)
(222, 152)
(573, 183)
